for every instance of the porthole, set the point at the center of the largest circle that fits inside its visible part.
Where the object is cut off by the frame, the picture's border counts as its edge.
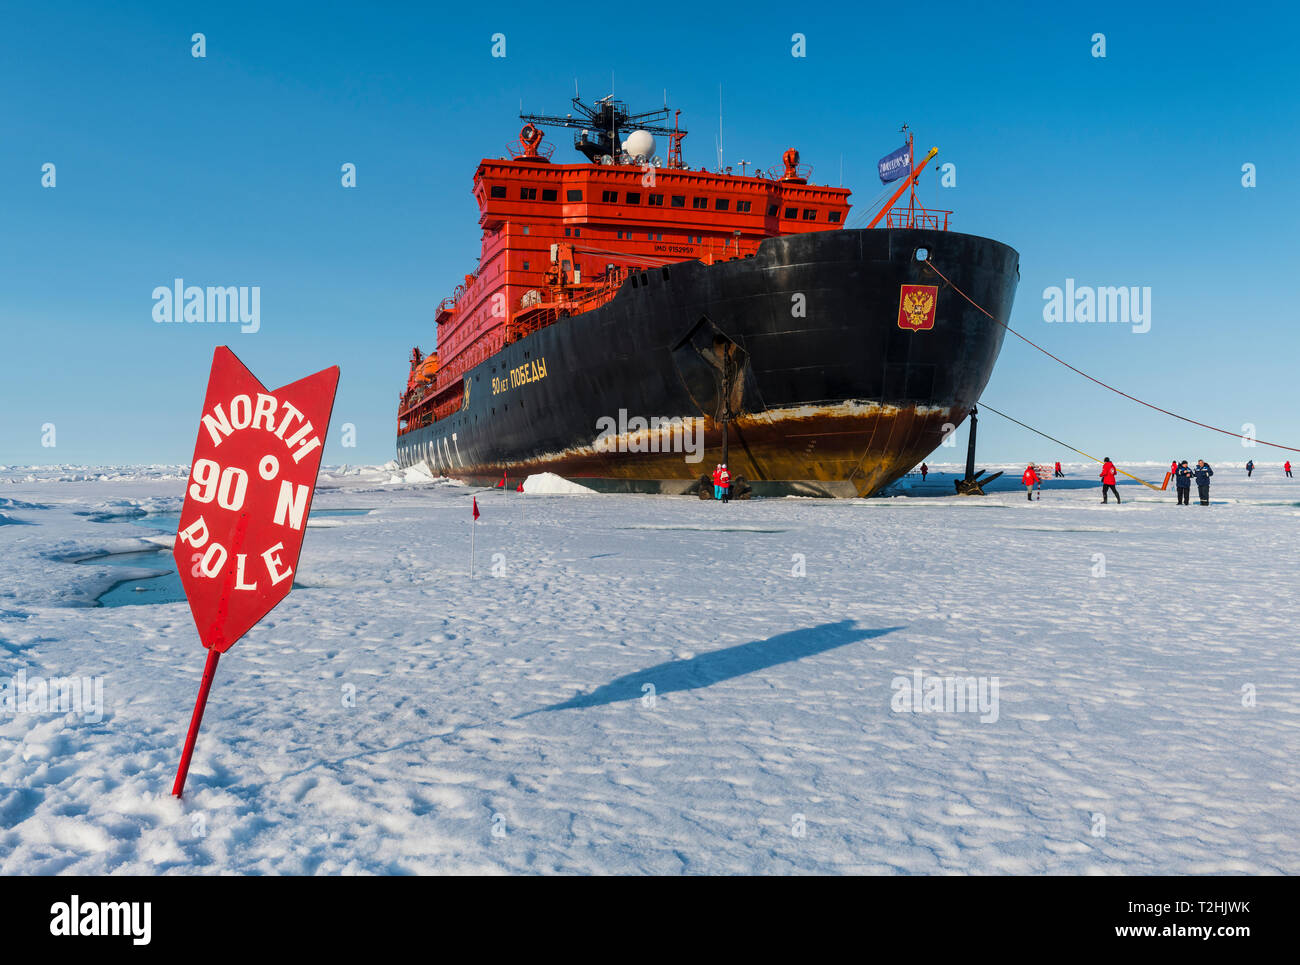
(922, 254)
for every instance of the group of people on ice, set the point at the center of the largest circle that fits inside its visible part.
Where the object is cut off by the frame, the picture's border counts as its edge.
(1184, 475)
(1181, 473)
(1286, 468)
(1033, 480)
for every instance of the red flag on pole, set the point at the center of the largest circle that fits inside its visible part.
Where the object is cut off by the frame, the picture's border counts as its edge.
(502, 483)
(476, 514)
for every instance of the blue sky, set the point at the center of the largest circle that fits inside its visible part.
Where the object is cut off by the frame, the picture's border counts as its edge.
(225, 171)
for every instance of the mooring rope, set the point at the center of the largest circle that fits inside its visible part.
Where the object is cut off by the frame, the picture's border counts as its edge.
(1104, 385)
(985, 405)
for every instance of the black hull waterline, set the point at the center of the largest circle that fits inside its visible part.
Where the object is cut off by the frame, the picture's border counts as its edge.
(830, 394)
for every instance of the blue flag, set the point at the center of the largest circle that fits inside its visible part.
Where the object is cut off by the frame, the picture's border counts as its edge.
(895, 165)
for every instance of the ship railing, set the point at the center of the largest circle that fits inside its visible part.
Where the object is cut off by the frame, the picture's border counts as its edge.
(801, 172)
(545, 149)
(933, 219)
(528, 323)
(447, 408)
(450, 372)
(536, 318)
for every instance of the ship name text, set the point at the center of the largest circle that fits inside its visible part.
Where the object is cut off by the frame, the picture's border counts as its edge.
(533, 371)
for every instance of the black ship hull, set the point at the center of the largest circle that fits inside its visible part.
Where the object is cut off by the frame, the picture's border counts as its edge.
(830, 392)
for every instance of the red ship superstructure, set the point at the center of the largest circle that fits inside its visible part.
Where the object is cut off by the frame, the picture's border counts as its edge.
(560, 239)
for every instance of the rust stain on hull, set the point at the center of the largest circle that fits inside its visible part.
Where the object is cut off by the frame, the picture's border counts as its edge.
(849, 449)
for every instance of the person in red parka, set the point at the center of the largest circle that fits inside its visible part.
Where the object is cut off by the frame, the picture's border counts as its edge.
(1108, 481)
(1287, 467)
(1030, 479)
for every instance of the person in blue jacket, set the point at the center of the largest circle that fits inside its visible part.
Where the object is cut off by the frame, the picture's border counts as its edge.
(1203, 472)
(1183, 483)
(1250, 468)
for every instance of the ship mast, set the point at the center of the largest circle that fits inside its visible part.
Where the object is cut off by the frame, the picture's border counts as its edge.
(911, 160)
(602, 121)
(909, 183)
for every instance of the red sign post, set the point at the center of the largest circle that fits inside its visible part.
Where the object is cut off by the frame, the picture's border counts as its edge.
(249, 494)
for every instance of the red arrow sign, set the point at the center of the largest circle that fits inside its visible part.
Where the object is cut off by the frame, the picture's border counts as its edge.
(246, 505)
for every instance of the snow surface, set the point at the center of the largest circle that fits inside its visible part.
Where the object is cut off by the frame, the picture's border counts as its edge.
(503, 725)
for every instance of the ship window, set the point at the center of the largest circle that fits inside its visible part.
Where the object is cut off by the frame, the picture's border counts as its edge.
(679, 200)
(771, 210)
(549, 194)
(574, 195)
(700, 202)
(633, 197)
(650, 236)
(721, 204)
(609, 197)
(833, 217)
(568, 232)
(525, 266)
(525, 227)
(657, 199)
(809, 214)
(743, 205)
(527, 194)
(577, 232)
(498, 190)
(791, 212)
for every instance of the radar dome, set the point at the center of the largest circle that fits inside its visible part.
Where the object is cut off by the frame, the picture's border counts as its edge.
(639, 144)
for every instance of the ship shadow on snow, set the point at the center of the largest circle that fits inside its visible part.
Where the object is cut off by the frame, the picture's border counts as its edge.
(719, 665)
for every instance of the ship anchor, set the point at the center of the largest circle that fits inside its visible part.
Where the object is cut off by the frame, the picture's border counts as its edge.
(974, 483)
